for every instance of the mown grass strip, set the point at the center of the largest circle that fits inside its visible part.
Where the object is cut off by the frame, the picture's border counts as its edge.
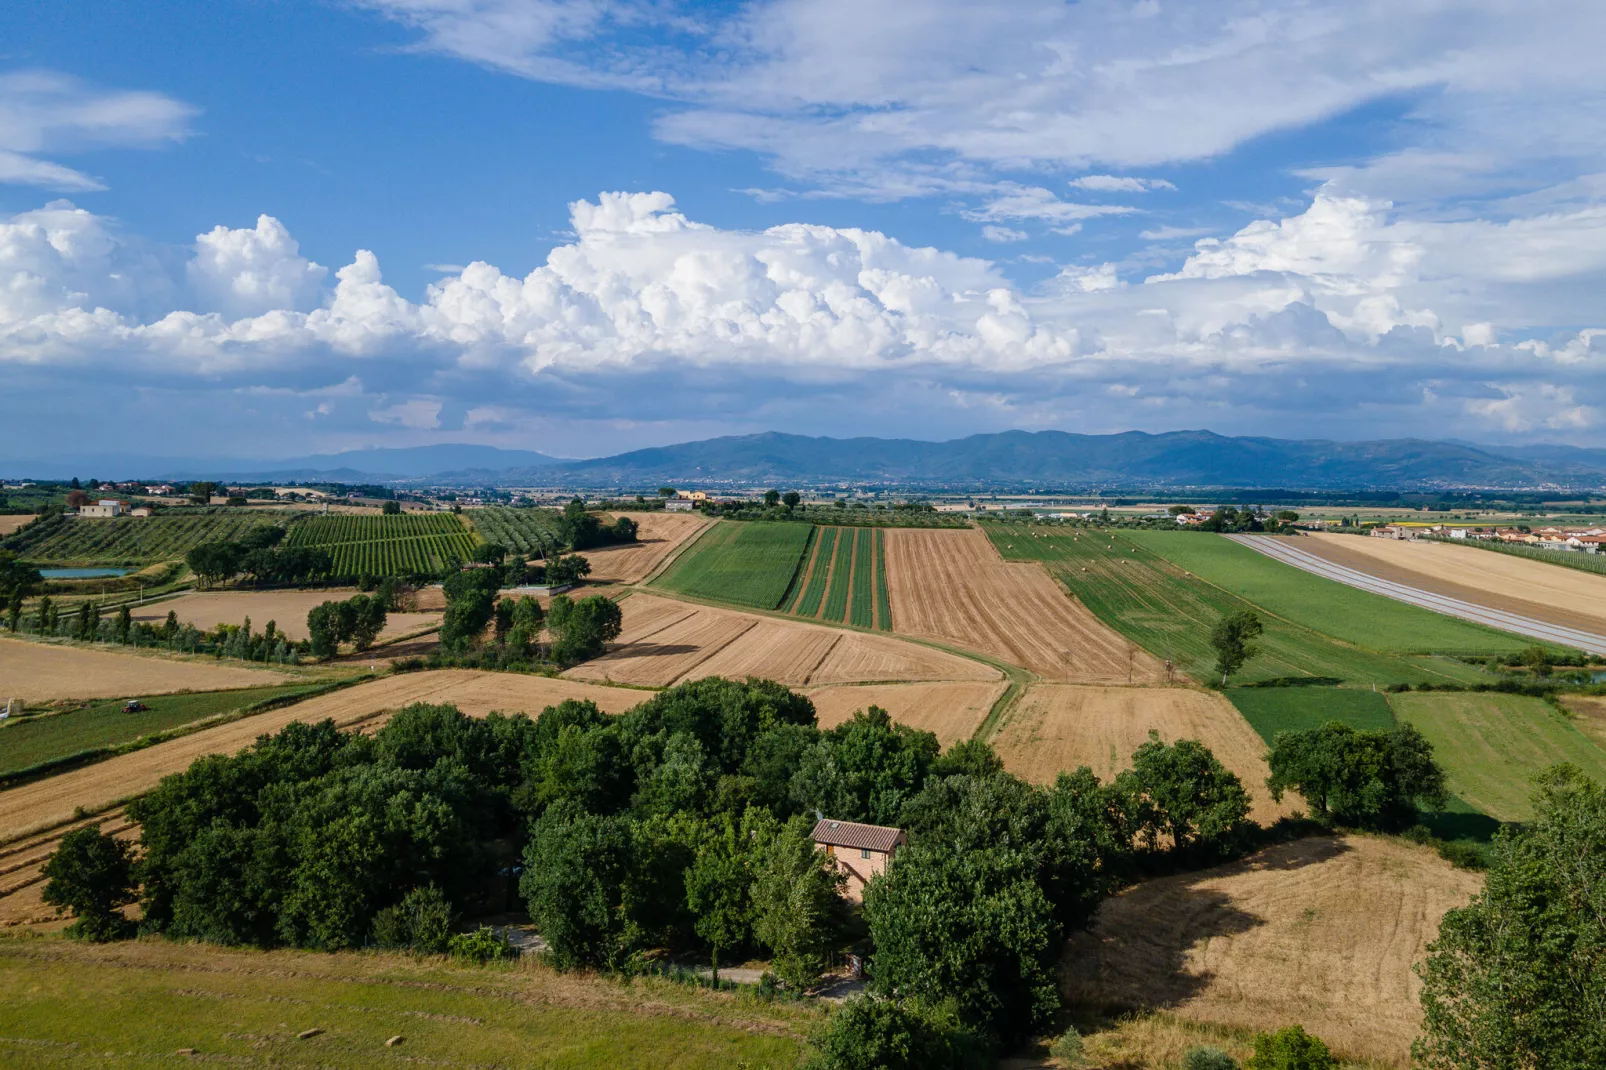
(1492, 745)
(1270, 710)
(1170, 614)
(808, 603)
(1343, 612)
(52, 743)
(883, 601)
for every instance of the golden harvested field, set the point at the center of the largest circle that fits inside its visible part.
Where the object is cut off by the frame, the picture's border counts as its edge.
(45, 803)
(952, 585)
(287, 609)
(664, 642)
(1321, 932)
(10, 522)
(1056, 727)
(953, 711)
(1555, 594)
(658, 535)
(36, 672)
(1589, 714)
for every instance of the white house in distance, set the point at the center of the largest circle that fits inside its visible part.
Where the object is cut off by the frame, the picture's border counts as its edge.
(106, 507)
(859, 852)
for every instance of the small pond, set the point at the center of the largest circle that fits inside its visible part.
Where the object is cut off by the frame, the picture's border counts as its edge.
(82, 573)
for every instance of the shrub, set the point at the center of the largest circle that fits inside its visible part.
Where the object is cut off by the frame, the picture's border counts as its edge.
(482, 946)
(421, 922)
(1208, 1059)
(92, 875)
(867, 1033)
(1290, 1049)
(1068, 1047)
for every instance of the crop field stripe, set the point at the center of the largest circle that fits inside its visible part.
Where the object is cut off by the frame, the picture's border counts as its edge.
(805, 572)
(813, 593)
(861, 611)
(883, 601)
(1270, 710)
(842, 536)
(836, 599)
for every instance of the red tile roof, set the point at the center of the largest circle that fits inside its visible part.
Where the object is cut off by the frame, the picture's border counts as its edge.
(853, 834)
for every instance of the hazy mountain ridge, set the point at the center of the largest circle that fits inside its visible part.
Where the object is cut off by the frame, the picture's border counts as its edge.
(1013, 458)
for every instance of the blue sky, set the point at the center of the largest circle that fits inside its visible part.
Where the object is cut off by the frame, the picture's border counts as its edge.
(581, 226)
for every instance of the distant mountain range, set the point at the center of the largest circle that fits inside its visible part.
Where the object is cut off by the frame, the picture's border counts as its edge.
(1054, 459)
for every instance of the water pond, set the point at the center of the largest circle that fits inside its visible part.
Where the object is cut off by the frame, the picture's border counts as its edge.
(82, 573)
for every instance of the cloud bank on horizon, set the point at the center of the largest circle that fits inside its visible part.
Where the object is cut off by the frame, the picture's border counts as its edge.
(1448, 286)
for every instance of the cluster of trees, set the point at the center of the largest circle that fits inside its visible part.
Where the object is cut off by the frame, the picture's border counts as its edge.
(557, 570)
(583, 530)
(89, 624)
(259, 556)
(1359, 778)
(357, 620)
(682, 825)
(578, 629)
(17, 582)
(1518, 977)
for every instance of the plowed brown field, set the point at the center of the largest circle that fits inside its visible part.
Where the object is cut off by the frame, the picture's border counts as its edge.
(1057, 727)
(664, 642)
(287, 609)
(35, 672)
(45, 803)
(1555, 594)
(1320, 932)
(10, 522)
(658, 535)
(952, 585)
(952, 711)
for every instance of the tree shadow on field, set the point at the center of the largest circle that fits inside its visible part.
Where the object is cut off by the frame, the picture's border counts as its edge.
(652, 650)
(1137, 955)
(1296, 681)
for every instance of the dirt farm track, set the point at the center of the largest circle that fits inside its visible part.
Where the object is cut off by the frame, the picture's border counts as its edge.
(951, 585)
(1321, 932)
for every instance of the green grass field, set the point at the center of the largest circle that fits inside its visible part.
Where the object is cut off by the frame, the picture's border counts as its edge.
(68, 1003)
(126, 540)
(745, 564)
(50, 737)
(1270, 710)
(1169, 613)
(406, 544)
(1491, 745)
(1343, 612)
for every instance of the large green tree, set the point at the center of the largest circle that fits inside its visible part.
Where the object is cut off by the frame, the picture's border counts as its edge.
(1233, 641)
(1518, 977)
(92, 875)
(1182, 792)
(796, 904)
(1371, 778)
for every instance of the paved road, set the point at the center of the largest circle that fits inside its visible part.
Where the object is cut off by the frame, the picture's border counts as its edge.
(1288, 551)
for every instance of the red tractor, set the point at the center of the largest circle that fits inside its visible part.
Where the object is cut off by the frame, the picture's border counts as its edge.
(134, 705)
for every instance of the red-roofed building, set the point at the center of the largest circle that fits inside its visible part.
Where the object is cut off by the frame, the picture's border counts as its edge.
(859, 852)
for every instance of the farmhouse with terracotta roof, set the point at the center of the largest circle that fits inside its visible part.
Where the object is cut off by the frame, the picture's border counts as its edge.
(859, 852)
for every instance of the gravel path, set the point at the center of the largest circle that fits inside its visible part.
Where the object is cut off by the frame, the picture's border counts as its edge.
(1279, 548)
